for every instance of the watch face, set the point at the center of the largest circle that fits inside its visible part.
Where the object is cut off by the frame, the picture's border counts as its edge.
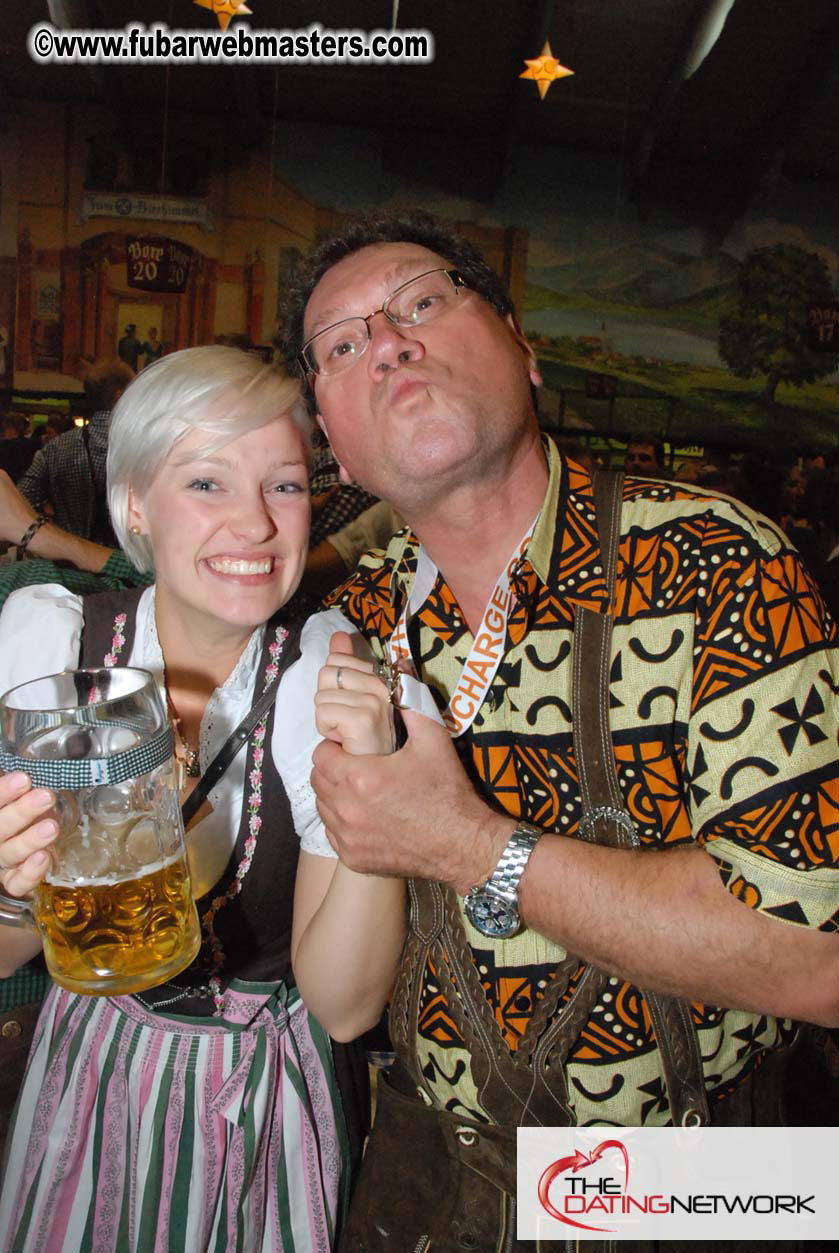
(492, 916)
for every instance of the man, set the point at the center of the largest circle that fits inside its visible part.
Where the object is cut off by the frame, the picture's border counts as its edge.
(56, 556)
(644, 456)
(334, 504)
(724, 739)
(129, 347)
(70, 471)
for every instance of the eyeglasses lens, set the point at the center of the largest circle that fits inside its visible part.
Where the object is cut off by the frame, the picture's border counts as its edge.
(419, 301)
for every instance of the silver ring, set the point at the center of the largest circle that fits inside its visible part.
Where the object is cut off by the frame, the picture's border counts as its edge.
(338, 682)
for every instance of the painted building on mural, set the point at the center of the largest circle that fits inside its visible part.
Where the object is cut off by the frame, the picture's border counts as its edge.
(79, 230)
(94, 262)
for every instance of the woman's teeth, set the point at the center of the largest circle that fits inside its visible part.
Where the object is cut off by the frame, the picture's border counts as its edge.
(227, 565)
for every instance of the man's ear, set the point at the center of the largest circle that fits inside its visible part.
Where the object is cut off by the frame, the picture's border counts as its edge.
(343, 473)
(532, 365)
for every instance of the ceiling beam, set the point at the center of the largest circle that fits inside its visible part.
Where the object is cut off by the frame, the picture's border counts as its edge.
(799, 104)
(701, 34)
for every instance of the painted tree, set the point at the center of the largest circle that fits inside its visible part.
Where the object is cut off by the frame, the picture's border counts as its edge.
(767, 332)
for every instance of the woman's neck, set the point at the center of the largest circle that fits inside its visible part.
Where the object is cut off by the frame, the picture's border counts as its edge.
(198, 655)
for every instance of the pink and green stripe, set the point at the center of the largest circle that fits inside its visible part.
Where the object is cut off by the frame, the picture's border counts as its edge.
(142, 1132)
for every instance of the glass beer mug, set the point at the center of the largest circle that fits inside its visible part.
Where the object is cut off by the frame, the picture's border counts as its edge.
(115, 910)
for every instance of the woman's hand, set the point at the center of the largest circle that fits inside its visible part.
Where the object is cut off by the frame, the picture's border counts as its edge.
(26, 831)
(348, 929)
(352, 705)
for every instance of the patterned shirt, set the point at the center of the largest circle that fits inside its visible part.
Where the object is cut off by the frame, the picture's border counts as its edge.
(343, 502)
(723, 685)
(117, 574)
(72, 481)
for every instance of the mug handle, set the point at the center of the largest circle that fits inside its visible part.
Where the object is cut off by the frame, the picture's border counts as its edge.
(17, 912)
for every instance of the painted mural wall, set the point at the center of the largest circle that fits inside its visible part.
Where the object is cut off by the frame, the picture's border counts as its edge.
(624, 307)
(84, 241)
(8, 253)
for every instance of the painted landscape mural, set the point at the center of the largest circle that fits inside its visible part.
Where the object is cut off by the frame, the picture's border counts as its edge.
(624, 305)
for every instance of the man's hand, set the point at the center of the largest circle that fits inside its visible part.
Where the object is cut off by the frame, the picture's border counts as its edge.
(49, 542)
(16, 513)
(413, 814)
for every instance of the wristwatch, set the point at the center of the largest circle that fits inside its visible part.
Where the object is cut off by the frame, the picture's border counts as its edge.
(493, 907)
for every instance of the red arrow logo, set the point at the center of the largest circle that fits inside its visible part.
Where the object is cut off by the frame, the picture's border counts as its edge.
(579, 1161)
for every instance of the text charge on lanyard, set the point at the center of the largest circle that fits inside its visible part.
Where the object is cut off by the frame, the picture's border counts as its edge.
(481, 666)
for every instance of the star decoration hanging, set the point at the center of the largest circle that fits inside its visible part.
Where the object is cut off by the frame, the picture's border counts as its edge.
(544, 70)
(225, 10)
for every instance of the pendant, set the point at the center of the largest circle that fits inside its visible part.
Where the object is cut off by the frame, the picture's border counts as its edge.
(187, 766)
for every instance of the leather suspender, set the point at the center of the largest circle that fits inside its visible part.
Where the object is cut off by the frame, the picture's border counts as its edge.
(529, 1086)
(605, 820)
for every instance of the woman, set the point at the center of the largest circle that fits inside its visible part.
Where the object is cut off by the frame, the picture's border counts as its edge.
(204, 1114)
(152, 349)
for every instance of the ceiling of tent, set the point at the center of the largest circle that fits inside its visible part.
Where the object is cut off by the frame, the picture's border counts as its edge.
(704, 103)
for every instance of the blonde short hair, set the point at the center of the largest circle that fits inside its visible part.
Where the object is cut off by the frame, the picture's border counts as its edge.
(222, 391)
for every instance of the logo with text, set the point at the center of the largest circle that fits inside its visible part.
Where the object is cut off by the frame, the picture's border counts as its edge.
(669, 1182)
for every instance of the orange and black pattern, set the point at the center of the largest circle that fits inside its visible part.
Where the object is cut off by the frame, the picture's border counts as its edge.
(723, 685)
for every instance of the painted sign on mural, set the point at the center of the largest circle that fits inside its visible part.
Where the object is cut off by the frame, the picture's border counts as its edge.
(157, 264)
(823, 326)
(160, 208)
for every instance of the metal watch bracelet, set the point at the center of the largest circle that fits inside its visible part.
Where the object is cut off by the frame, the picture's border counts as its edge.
(504, 880)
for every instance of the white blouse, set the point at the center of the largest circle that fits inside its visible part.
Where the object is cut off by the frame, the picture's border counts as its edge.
(40, 633)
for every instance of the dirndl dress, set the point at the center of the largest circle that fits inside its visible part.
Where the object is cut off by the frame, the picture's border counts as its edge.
(141, 1131)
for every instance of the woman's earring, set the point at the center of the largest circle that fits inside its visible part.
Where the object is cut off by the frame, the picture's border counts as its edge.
(135, 530)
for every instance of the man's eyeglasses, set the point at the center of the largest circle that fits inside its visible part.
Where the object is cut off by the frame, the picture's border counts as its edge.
(421, 300)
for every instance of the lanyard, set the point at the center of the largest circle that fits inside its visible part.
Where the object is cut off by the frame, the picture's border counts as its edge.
(481, 666)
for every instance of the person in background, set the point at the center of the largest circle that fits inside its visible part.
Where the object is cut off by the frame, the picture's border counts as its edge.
(16, 451)
(55, 425)
(69, 473)
(576, 451)
(129, 347)
(41, 552)
(335, 502)
(644, 456)
(151, 348)
(330, 561)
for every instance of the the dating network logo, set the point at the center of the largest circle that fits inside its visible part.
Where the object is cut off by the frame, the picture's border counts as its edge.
(581, 1194)
(586, 1189)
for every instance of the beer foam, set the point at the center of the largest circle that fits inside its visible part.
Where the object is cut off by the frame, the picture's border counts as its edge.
(55, 881)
